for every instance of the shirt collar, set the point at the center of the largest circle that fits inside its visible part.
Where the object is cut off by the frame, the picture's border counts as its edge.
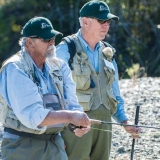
(45, 66)
(84, 42)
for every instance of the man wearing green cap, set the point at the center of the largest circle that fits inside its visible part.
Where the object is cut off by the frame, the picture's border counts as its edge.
(37, 98)
(95, 72)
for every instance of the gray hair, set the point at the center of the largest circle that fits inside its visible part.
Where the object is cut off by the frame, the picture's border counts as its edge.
(80, 21)
(22, 41)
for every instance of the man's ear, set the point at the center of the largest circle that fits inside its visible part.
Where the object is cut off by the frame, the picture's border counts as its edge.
(85, 21)
(29, 42)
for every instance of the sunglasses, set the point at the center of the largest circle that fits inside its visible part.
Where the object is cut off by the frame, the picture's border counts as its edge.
(44, 40)
(102, 21)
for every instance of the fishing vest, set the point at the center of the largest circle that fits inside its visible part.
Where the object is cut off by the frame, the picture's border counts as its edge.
(7, 116)
(93, 89)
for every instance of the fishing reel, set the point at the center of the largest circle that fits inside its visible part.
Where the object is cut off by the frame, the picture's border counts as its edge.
(72, 127)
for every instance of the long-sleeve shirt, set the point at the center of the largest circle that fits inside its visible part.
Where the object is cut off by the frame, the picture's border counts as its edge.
(22, 95)
(63, 53)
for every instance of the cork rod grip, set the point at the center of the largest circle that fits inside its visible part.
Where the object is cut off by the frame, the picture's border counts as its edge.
(94, 121)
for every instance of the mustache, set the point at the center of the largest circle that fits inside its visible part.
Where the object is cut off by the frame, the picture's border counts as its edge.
(50, 48)
(51, 56)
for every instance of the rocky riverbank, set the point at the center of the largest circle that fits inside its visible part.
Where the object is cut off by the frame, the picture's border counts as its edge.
(146, 93)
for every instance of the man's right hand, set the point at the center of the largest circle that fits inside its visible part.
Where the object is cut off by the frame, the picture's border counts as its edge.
(79, 119)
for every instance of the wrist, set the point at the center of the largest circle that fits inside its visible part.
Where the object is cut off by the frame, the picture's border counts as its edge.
(69, 116)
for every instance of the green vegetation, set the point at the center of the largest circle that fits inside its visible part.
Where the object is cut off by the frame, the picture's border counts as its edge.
(135, 37)
(133, 71)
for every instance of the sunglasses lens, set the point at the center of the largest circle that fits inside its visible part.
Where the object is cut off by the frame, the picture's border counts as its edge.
(48, 40)
(44, 40)
(102, 22)
(34, 37)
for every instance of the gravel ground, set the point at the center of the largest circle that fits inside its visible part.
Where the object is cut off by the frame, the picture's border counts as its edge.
(146, 93)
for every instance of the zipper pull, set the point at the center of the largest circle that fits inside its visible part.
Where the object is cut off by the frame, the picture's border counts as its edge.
(81, 66)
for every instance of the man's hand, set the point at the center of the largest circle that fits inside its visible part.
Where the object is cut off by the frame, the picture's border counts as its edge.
(131, 129)
(79, 119)
(81, 131)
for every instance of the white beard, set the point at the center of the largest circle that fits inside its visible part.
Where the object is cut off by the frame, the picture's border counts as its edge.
(51, 55)
(51, 52)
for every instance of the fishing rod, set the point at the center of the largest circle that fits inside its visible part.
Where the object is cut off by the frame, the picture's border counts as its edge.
(136, 123)
(72, 127)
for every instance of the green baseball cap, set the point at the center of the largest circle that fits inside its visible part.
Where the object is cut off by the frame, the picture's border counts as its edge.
(40, 27)
(98, 10)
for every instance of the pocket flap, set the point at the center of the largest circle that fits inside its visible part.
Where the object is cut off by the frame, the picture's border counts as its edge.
(84, 98)
(77, 70)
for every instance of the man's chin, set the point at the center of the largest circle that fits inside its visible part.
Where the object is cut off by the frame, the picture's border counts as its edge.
(102, 38)
(51, 55)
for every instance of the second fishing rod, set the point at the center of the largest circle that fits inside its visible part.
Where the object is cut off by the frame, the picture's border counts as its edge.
(72, 127)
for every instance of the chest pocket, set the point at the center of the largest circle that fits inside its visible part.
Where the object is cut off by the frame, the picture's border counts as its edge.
(52, 103)
(81, 71)
(110, 75)
(3, 109)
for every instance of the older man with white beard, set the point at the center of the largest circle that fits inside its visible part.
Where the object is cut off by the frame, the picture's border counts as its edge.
(40, 98)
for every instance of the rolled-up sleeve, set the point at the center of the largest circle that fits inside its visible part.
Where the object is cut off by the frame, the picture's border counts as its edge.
(22, 96)
(120, 115)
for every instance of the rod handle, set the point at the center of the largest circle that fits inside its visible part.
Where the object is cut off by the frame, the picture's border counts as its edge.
(72, 127)
(94, 121)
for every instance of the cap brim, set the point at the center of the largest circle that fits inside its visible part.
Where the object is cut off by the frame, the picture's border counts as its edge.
(107, 16)
(112, 16)
(51, 34)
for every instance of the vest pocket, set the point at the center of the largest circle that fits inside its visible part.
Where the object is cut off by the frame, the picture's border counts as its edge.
(3, 109)
(112, 103)
(13, 122)
(51, 102)
(85, 100)
(110, 75)
(81, 76)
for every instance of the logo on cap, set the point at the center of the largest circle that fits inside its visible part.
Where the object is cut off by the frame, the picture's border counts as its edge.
(44, 25)
(102, 8)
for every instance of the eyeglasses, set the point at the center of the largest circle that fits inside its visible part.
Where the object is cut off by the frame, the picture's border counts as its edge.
(102, 21)
(44, 40)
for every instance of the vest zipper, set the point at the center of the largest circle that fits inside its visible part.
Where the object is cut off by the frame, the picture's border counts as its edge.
(100, 93)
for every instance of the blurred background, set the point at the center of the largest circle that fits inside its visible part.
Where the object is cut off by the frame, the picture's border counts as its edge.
(136, 36)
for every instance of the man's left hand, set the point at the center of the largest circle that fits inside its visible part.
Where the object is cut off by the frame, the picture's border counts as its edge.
(81, 131)
(131, 129)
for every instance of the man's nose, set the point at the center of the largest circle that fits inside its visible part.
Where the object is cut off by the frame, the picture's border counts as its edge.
(51, 42)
